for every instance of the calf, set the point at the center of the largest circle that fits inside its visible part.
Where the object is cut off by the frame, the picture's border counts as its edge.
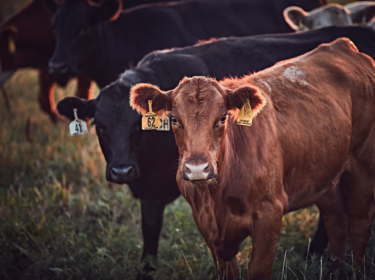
(242, 171)
(329, 15)
(100, 41)
(133, 155)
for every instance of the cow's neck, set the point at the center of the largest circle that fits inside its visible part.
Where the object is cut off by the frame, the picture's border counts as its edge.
(104, 37)
(222, 206)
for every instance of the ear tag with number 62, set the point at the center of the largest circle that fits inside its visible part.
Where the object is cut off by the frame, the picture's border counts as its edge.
(150, 121)
(77, 127)
(245, 116)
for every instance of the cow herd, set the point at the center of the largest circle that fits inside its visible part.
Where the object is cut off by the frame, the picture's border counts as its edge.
(261, 125)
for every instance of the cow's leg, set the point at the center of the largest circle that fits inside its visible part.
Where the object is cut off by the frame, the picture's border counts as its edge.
(85, 87)
(152, 221)
(332, 210)
(224, 269)
(46, 95)
(265, 236)
(360, 205)
(320, 239)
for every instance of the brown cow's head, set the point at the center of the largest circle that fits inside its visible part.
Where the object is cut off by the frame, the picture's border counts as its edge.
(198, 108)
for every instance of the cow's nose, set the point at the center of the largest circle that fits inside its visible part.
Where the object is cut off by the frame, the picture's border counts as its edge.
(57, 67)
(197, 171)
(122, 173)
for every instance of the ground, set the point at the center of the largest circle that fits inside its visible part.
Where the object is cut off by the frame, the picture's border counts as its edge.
(60, 219)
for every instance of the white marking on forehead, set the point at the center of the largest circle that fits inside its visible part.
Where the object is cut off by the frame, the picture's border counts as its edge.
(266, 84)
(295, 74)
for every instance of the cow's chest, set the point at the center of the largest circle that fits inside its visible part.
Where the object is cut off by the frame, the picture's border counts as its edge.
(220, 220)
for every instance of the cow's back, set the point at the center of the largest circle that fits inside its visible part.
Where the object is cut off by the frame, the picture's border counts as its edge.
(316, 104)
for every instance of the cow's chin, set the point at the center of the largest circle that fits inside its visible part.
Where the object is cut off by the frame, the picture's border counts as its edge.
(202, 183)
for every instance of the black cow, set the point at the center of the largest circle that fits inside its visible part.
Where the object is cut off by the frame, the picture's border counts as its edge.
(102, 41)
(144, 159)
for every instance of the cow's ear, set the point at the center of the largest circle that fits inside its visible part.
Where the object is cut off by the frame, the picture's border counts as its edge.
(364, 15)
(140, 94)
(237, 98)
(371, 24)
(295, 17)
(105, 10)
(85, 108)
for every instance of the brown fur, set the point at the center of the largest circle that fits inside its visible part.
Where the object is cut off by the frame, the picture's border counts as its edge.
(318, 122)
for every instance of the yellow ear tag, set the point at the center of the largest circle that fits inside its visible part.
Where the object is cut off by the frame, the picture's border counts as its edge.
(11, 45)
(246, 114)
(150, 121)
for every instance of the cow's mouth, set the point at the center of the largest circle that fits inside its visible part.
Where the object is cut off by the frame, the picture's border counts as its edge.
(203, 183)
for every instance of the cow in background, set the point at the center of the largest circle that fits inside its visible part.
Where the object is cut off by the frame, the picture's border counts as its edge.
(329, 15)
(101, 41)
(303, 124)
(27, 40)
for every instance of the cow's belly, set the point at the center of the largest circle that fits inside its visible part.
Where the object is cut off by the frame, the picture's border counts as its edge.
(306, 188)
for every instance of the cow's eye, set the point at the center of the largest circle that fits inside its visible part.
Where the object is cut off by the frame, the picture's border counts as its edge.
(173, 120)
(223, 118)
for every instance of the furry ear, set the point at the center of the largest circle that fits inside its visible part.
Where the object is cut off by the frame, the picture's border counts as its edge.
(295, 16)
(236, 99)
(85, 108)
(363, 15)
(140, 94)
(105, 10)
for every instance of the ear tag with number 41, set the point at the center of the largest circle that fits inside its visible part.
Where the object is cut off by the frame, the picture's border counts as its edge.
(77, 127)
(245, 116)
(150, 121)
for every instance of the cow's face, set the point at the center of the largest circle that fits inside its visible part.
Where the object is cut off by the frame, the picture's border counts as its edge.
(198, 108)
(329, 15)
(117, 127)
(75, 23)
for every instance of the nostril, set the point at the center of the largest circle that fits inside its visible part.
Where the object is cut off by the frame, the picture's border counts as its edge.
(187, 170)
(128, 170)
(206, 170)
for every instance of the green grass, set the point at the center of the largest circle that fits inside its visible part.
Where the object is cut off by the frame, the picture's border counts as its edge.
(60, 219)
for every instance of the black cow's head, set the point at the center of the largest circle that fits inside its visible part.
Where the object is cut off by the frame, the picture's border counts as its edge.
(117, 126)
(74, 23)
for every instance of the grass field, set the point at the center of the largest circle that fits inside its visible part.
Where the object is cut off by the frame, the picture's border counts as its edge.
(60, 219)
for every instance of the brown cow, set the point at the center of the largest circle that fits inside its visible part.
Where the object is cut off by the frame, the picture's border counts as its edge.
(313, 120)
(27, 40)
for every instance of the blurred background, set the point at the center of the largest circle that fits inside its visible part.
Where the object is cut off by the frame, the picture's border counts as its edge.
(60, 218)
